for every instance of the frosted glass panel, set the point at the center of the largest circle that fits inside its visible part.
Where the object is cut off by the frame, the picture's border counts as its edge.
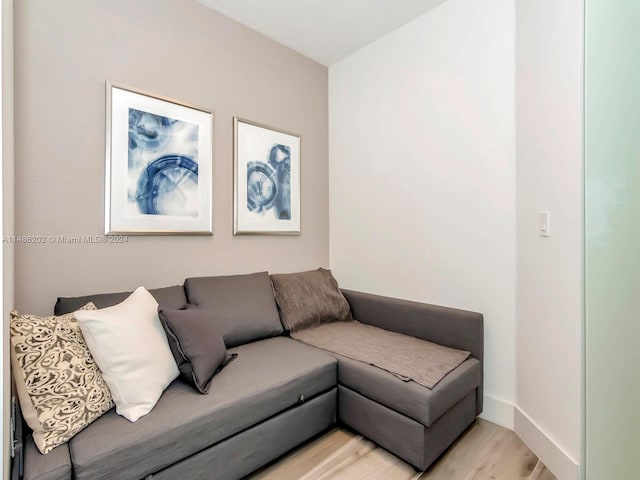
(612, 189)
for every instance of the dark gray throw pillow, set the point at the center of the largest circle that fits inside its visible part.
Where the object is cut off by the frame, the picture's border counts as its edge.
(309, 299)
(197, 345)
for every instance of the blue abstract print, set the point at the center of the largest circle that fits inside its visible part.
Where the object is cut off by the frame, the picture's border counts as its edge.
(269, 183)
(163, 165)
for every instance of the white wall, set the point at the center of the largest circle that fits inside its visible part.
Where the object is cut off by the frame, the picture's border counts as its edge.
(422, 172)
(549, 63)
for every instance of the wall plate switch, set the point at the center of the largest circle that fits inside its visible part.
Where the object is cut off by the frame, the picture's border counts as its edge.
(543, 224)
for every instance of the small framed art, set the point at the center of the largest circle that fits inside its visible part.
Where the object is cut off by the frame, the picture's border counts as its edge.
(159, 155)
(266, 179)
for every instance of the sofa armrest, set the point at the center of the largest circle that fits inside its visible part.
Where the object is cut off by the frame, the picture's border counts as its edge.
(446, 326)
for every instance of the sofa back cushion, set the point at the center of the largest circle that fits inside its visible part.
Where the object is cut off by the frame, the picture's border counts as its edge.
(167, 297)
(242, 305)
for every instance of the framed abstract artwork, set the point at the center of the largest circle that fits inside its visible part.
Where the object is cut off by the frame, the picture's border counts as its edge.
(266, 179)
(159, 155)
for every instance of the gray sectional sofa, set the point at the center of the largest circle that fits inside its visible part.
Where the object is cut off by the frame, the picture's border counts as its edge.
(276, 394)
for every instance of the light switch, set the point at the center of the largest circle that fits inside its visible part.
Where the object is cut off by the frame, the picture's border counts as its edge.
(543, 224)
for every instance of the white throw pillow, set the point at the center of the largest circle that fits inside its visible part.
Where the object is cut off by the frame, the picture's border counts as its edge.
(129, 345)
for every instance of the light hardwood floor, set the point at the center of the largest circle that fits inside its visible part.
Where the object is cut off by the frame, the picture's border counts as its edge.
(484, 452)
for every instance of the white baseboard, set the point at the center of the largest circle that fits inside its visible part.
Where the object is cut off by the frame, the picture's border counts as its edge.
(498, 411)
(555, 459)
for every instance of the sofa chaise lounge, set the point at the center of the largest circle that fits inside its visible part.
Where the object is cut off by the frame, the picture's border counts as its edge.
(276, 394)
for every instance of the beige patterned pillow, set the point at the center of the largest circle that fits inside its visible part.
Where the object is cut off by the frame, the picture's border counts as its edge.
(60, 387)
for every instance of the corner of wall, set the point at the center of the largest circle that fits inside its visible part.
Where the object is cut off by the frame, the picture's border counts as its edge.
(498, 411)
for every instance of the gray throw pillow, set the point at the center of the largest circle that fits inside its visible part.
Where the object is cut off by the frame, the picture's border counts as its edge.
(197, 346)
(309, 299)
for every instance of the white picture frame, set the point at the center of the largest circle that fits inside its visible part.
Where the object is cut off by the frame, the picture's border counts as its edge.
(159, 162)
(266, 179)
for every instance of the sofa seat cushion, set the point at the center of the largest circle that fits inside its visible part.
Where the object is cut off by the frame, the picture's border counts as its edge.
(267, 378)
(407, 357)
(409, 398)
(55, 465)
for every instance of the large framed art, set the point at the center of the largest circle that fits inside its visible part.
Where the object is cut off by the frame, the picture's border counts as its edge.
(159, 155)
(266, 179)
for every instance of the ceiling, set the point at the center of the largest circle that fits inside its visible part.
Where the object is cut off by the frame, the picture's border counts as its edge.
(324, 30)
